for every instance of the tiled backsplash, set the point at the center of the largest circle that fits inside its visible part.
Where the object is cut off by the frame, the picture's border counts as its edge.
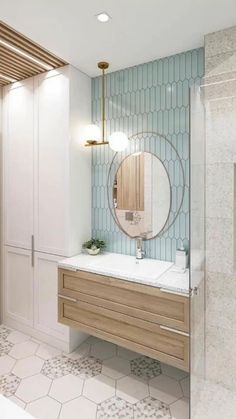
(148, 97)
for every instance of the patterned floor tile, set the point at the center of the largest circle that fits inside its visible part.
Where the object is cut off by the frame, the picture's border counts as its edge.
(57, 367)
(145, 367)
(4, 332)
(5, 347)
(115, 408)
(9, 384)
(151, 408)
(86, 367)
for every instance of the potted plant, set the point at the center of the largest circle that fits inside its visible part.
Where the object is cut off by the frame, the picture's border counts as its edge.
(93, 246)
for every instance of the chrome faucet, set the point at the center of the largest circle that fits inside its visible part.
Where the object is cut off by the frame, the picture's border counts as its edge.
(139, 248)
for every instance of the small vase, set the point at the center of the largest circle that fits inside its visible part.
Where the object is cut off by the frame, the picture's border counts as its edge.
(93, 252)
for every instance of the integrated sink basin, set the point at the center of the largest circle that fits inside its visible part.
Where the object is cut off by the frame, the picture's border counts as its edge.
(121, 266)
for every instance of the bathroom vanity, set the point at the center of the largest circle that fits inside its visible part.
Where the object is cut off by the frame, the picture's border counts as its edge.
(141, 305)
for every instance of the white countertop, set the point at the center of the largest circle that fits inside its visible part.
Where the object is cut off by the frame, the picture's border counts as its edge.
(153, 272)
(9, 410)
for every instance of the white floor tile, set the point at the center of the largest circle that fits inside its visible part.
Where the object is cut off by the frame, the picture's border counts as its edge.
(131, 389)
(103, 350)
(82, 350)
(180, 409)
(77, 408)
(23, 350)
(6, 364)
(44, 408)
(33, 388)
(185, 385)
(45, 351)
(173, 372)
(116, 367)
(28, 366)
(17, 337)
(66, 388)
(99, 388)
(165, 388)
(127, 354)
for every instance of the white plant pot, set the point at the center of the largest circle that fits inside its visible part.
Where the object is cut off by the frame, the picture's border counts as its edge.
(93, 252)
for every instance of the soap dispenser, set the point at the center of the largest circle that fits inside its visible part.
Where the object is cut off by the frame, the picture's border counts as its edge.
(181, 259)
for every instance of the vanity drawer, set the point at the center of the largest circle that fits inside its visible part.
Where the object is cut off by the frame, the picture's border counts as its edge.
(151, 339)
(137, 300)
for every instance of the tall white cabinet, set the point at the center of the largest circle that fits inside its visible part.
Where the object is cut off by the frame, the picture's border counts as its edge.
(46, 196)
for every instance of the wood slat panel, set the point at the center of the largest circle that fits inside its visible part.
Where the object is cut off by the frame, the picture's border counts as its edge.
(17, 66)
(29, 46)
(10, 64)
(13, 57)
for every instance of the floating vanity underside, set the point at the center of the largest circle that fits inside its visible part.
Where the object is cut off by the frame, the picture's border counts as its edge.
(142, 318)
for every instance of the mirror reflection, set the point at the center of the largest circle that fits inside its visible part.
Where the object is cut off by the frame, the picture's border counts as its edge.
(141, 195)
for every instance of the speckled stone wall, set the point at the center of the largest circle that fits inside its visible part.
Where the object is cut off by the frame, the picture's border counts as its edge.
(149, 97)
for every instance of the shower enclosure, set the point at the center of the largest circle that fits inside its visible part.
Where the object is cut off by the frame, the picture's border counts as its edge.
(213, 216)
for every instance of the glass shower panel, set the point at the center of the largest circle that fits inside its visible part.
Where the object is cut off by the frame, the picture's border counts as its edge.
(197, 247)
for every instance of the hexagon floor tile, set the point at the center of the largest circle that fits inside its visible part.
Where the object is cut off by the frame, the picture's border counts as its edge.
(116, 367)
(66, 388)
(33, 388)
(98, 389)
(145, 367)
(28, 366)
(165, 389)
(131, 389)
(115, 408)
(44, 408)
(23, 350)
(99, 379)
(151, 408)
(9, 384)
(6, 364)
(81, 404)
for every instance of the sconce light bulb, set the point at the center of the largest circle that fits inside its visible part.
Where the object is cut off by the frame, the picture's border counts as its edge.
(92, 132)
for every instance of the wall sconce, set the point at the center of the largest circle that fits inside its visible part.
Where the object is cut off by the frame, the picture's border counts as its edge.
(118, 141)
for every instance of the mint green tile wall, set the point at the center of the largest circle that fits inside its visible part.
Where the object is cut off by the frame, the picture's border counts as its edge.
(149, 97)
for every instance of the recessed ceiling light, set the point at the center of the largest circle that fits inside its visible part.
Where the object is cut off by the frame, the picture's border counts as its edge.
(103, 17)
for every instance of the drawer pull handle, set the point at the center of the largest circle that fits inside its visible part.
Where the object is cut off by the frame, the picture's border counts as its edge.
(67, 298)
(178, 332)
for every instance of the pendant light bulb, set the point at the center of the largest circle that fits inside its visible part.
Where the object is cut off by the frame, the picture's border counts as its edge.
(118, 141)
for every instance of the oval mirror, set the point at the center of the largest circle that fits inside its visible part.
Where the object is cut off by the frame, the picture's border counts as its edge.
(141, 195)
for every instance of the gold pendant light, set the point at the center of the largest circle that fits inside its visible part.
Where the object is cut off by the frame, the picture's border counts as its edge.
(93, 130)
(118, 141)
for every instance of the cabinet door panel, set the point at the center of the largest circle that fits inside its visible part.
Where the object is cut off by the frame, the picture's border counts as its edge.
(45, 296)
(18, 285)
(51, 177)
(18, 138)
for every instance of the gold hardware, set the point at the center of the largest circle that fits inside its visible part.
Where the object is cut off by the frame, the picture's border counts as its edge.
(103, 65)
(178, 332)
(73, 300)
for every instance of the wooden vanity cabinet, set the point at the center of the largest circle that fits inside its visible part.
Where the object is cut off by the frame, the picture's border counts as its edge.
(139, 317)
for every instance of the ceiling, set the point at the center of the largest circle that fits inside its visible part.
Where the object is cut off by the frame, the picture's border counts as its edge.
(139, 31)
(21, 58)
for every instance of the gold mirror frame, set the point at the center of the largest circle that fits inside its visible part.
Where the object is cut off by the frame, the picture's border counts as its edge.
(142, 136)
